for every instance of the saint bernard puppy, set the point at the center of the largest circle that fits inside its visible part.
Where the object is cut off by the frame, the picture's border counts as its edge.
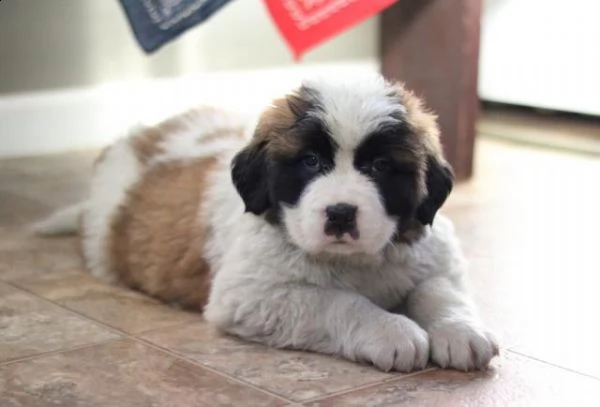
(318, 232)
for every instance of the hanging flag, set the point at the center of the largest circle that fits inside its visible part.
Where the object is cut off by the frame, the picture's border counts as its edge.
(306, 23)
(157, 22)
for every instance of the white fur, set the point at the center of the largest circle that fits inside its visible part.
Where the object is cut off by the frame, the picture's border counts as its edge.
(305, 221)
(114, 175)
(353, 112)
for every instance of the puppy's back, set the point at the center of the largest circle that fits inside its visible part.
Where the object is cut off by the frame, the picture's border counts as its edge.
(142, 225)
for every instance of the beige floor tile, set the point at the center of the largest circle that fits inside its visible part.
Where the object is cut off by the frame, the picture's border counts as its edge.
(21, 238)
(51, 191)
(120, 373)
(22, 255)
(294, 375)
(513, 381)
(29, 326)
(31, 188)
(51, 163)
(17, 210)
(119, 307)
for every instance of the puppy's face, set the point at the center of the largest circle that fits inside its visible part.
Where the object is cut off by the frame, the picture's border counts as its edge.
(345, 167)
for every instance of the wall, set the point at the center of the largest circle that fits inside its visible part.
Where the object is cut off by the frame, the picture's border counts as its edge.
(541, 53)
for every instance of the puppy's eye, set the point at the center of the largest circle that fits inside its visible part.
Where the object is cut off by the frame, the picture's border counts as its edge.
(380, 165)
(312, 161)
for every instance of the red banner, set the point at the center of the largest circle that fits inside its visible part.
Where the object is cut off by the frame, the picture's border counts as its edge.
(306, 23)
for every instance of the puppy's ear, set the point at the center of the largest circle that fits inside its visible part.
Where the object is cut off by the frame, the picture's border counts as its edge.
(439, 182)
(249, 175)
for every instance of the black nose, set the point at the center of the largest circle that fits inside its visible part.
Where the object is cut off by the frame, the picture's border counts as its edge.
(341, 218)
(341, 213)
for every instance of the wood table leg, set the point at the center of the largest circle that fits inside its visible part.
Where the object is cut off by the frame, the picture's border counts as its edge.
(433, 46)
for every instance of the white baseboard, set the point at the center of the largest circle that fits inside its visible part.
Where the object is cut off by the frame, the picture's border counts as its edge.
(64, 120)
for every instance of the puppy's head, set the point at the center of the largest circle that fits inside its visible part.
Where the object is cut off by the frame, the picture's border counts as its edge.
(345, 167)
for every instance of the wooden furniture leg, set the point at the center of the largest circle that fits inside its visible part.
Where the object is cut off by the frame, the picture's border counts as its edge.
(433, 46)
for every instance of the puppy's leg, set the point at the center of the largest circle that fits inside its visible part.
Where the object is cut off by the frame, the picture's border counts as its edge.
(457, 338)
(321, 320)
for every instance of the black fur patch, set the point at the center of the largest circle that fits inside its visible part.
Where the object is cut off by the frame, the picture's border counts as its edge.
(249, 176)
(289, 175)
(265, 180)
(440, 181)
(380, 158)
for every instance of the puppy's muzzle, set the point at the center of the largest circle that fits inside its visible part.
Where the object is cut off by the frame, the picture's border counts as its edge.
(341, 219)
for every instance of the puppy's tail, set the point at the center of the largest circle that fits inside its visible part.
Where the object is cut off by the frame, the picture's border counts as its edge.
(61, 223)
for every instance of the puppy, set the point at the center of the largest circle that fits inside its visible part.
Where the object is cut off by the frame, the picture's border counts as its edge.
(306, 236)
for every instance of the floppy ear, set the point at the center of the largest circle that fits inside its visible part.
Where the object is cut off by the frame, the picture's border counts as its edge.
(439, 181)
(249, 175)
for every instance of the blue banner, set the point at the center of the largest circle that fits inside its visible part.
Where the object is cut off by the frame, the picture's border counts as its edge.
(156, 22)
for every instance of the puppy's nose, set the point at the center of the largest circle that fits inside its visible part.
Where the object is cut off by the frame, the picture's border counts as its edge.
(341, 218)
(341, 213)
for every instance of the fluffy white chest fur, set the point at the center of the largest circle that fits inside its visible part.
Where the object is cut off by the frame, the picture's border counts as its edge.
(311, 234)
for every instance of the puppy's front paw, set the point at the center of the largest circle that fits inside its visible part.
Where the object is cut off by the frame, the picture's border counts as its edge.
(462, 345)
(396, 343)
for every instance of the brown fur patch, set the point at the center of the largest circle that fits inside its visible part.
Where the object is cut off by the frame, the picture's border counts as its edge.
(157, 239)
(147, 142)
(275, 122)
(422, 121)
(235, 133)
(424, 125)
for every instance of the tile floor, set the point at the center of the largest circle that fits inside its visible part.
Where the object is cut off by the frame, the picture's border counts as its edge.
(528, 222)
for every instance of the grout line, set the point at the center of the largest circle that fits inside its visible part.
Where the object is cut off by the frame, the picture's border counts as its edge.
(238, 380)
(176, 325)
(370, 385)
(546, 362)
(68, 310)
(55, 352)
(126, 335)
(96, 321)
(281, 396)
